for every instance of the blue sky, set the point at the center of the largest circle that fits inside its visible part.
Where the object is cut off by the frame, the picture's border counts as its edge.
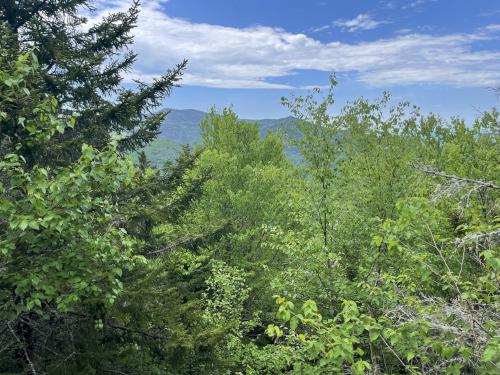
(442, 55)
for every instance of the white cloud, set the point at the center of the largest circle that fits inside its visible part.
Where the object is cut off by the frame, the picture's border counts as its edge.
(417, 4)
(489, 13)
(389, 4)
(320, 28)
(492, 28)
(360, 22)
(403, 31)
(252, 57)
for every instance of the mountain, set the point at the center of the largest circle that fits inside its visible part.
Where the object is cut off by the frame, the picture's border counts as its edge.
(159, 151)
(182, 126)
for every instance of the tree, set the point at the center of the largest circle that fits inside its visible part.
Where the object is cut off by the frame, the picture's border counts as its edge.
(83, 67)
(318, 140)
(224, 232)
(415, 261)
(60, 250)
(143, 161)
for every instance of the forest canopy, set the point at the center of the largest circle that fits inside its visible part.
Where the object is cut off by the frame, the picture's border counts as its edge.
(377, 253)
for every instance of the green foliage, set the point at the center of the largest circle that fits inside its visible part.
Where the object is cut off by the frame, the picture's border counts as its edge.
(225, 294)
(386, 235)
(417, 259)
(58, 244)
(325, 346)
(159, 152)
(60, 250)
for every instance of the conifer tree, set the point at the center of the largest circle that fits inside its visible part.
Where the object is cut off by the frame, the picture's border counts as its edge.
(83, 67)
(143, 161)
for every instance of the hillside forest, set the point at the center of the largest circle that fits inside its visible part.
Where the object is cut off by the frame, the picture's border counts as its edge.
(375, 252)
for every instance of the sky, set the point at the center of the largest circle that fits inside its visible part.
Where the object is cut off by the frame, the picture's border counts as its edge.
(442, 55)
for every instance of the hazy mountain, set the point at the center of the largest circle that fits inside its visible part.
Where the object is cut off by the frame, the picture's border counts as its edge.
(182, 126)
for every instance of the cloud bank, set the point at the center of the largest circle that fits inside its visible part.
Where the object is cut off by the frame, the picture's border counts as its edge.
(228, 57)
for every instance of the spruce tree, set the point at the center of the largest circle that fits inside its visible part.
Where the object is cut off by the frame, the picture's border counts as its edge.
(143, 161)
(83, 67)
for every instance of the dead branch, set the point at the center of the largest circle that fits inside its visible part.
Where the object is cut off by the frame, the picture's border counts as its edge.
(464, 180)
(31, 365)
(485, 238)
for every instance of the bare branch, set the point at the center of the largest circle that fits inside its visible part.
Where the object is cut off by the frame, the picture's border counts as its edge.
(32, 367)
(485, 238)
(464, 180)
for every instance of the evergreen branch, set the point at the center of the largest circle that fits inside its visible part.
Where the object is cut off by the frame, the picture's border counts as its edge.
(31, 14)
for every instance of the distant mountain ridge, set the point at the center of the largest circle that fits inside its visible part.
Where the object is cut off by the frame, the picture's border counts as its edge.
(182, 126)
